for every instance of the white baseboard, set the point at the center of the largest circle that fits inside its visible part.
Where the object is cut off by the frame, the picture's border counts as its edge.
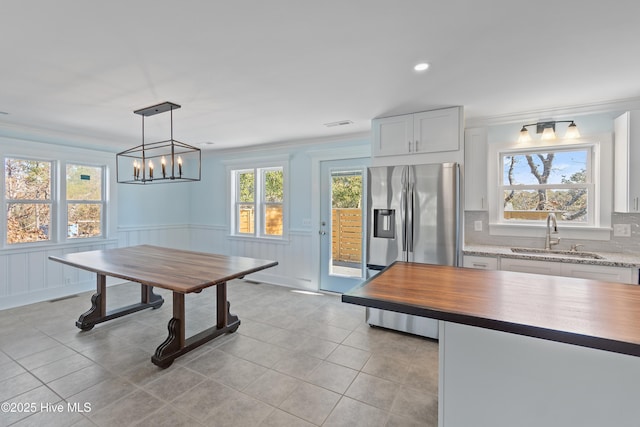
(289, 282)
(47, 295)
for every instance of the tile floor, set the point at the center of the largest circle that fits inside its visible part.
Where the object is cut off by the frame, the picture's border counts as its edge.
(296, 360)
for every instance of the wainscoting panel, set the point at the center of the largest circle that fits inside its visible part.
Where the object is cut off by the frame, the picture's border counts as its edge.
(17, 274)
(37, 262)
(209, 238)
(4, 276)
(293, 255)
(171, 236)
(28, 276)
(294, 263)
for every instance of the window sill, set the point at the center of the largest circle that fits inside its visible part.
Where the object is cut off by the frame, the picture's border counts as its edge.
(276, 240)
(537, 230)
(42, 246)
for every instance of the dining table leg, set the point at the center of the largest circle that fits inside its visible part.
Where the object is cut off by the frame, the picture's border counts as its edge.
(176, 344)
(98, 311)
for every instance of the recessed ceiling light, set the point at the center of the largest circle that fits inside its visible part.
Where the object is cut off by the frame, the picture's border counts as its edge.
(422, 66)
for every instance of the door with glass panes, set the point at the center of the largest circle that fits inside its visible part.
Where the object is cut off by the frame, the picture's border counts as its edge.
(342, 224)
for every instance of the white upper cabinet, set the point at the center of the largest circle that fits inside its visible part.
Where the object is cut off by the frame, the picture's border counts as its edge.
(626, 196)
(475, 169)
(392, 135)
(426, 132)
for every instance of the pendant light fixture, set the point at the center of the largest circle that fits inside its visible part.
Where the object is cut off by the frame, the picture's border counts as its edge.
(548, 130)
(159, 162)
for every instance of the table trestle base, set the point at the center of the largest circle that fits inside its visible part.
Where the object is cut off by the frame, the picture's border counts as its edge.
(98, 311)
(176, 344)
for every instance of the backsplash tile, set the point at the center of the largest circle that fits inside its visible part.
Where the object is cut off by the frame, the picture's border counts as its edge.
(616, 244)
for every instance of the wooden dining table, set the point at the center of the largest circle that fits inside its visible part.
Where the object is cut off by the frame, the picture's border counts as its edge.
(179, 271)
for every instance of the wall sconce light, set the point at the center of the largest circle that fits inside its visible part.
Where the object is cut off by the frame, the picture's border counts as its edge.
(548, 130)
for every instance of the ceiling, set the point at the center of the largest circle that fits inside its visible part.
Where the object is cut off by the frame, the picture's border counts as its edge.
(250, 72)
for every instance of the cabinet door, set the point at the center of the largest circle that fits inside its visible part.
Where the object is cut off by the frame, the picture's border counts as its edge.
(598, 272)
(480, 262)
(475, 169)
(526, 266)
(626, 196)
(437, 130)
(393, 135)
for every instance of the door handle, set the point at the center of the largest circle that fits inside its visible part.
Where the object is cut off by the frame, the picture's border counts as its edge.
(321, 231)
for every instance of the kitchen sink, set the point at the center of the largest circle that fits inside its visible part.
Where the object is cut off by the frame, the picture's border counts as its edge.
(557, 253)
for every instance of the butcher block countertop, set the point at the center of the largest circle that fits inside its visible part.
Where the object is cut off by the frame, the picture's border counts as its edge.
(582, 312)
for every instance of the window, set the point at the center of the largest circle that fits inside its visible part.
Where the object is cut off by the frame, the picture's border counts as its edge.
(258, 195)
(539, 181)
(51, 201)
(29, 200)
(245, 202)
(272, 199)
(85, 201)
(576, 186)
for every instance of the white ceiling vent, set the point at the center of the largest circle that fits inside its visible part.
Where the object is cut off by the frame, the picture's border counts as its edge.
(340, 123)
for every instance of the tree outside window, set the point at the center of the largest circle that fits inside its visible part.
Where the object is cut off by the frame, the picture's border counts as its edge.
(28, 200)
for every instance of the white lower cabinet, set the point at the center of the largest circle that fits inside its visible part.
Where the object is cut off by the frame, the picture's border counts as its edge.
(480, 262)
(527, 266)
(599, 272)
(583, 271)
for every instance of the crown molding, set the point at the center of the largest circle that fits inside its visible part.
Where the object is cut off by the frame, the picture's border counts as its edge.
(297, 143)
(52, 136)
(612, 106)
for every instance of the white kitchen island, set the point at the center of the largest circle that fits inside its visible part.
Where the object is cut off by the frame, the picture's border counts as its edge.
(519, 349)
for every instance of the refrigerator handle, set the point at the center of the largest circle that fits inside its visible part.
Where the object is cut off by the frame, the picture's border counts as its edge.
(403, 223)
(410, 213)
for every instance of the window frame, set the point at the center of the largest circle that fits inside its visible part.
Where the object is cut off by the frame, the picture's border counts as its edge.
(238, 203)
(59, 204)
(264, 204)
(259, 167)
(52, 232)
(102, 202)
(591, 186)
(602, 178)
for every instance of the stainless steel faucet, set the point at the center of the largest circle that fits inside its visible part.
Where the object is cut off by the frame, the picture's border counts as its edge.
(551, 241)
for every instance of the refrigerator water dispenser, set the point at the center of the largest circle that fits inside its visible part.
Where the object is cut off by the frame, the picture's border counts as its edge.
(384, 223)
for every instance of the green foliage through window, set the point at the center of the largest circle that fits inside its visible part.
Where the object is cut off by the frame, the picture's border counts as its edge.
(346, 190)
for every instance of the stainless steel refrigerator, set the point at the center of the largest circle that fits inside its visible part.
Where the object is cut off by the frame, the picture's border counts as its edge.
(412, 215)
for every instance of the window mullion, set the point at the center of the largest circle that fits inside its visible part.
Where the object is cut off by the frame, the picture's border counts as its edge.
(260, 212)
